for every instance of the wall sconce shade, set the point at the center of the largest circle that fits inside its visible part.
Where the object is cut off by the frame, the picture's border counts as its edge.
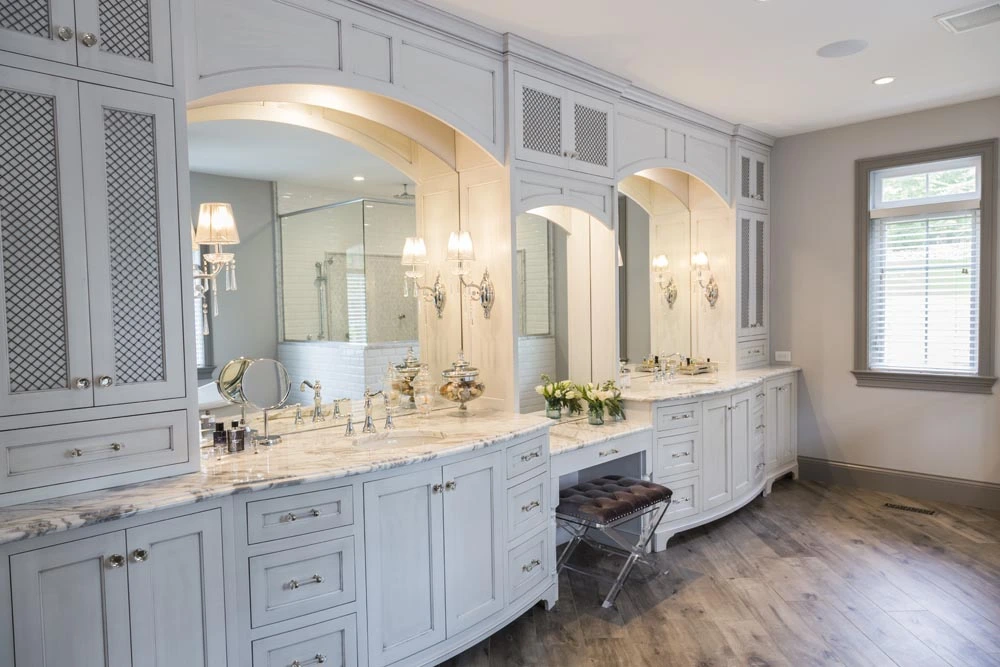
(660, 263)
(216, 225)
(699, 261)
(460, 247)
(710, 288)
(668, 287)
(414, 251)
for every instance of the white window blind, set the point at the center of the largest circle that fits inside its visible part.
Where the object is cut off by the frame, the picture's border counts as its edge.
(923, 269)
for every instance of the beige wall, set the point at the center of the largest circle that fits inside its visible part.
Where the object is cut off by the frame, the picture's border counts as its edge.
(812, 292)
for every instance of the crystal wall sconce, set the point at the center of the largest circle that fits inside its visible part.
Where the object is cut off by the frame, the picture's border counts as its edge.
(668, 288)
(460, 250)
(216, 228)
(700, 267)
(415, 256)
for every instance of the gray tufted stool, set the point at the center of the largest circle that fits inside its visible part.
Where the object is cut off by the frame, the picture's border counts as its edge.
(604, 504)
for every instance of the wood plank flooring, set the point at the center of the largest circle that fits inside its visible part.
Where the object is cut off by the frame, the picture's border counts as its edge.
(812, 575)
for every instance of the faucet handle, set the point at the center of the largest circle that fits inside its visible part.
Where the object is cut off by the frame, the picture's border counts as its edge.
(350, 424)
(389, 425)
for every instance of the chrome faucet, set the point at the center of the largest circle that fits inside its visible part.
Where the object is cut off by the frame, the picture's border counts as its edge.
(317, 398)
(369, 426)
(389, 425)
(349, 431)
(336, 407)
(299, 421)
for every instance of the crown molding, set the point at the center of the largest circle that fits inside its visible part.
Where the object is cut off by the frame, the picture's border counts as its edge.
(433, 20)
(750, 134)
(664, 105)
(525, 50)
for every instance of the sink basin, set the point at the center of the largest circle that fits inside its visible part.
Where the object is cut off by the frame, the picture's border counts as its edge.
(397, 438)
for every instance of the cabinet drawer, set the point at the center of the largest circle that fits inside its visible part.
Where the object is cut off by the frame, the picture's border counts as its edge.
(300, 581)
(299, 514)
(527, 565)
(527, 506)
(675, 417)
(34, 457)
(686, 500)
(751, 353)
(525, 457)
(676, 454)
(331, 643)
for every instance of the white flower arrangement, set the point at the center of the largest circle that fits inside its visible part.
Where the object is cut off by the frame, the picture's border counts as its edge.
(559, 394)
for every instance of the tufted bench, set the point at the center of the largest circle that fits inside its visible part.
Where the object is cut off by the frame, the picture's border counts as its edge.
(604, 504)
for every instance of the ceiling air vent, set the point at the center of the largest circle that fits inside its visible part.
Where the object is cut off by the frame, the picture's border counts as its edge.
(970, 18)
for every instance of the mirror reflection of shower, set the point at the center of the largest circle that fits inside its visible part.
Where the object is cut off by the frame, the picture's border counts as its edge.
(321, 284)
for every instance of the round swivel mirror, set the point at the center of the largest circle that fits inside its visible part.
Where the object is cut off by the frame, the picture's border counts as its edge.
(265, 384)
(231, 379)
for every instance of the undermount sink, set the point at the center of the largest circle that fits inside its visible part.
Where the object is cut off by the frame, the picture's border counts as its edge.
(397, 438)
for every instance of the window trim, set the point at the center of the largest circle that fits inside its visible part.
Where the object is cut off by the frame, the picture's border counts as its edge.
(983, 381)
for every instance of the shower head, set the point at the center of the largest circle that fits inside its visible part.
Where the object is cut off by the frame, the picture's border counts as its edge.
(405, 194)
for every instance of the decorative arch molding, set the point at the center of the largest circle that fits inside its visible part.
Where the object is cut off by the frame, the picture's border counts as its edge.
(531, 190)
(645, 165)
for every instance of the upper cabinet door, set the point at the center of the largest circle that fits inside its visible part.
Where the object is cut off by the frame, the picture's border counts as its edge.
(127, 37)
(591, 151)
(44, 318)
(40, 28)
(133, 246)
(473, 540)
(754, 186)
(70, 604)
(177, 592)
(541, 125)
(753, 270)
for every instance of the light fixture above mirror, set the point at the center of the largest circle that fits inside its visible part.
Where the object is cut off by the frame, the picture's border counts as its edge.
(665, 281)
(700, 267)
(460, 250)
(216, 228)
(415, 256)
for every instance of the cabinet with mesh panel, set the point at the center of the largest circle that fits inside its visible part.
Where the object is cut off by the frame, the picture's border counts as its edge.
(562, 128)
(752, 268)
(753, 178)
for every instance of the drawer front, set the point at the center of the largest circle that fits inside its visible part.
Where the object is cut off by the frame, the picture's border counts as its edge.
(525, 457)
(300, 581)
(527, 565)
(677, 454)
(686, 500)
(751, 353)
(527, 506)
(299, 514)
(676, 417)
(330, 643)
(34, 457)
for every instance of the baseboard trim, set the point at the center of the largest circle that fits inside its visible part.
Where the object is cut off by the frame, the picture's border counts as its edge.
(913, 484)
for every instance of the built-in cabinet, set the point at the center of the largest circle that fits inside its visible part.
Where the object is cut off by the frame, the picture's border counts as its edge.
(753, 271)
(126, 37)
(782, 423)
(150, 595)
(561, 128)
(725, 443)
(753, 182)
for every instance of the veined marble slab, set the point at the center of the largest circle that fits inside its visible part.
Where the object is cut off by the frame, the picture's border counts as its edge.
(644, 391)
(572, 434)
(301, 458)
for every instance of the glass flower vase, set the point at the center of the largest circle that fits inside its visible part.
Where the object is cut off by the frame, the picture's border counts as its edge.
(595, 416)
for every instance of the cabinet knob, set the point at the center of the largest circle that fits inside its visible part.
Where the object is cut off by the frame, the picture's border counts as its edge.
(115, 561)
(88, 39)
(450, 486)
(65, 33)
(140, 555)
(105, 381)
(81, 383)
(437, 488)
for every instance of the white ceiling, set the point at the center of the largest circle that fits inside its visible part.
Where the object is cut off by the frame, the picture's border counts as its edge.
(755, 62)
(291, 155)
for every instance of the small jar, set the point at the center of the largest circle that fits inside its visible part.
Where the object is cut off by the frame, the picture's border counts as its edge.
(423, 391)
(406, 374)
(461, 383)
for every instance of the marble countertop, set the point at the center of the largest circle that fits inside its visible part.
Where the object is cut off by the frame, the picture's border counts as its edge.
(313, 456)
(571, 434)
(644, 391)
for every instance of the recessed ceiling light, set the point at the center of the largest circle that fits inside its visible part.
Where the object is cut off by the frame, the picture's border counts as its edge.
(842, 49)
(883, 80)
(359, 178)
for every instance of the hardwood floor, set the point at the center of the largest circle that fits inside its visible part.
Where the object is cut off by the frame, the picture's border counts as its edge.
(812, 575)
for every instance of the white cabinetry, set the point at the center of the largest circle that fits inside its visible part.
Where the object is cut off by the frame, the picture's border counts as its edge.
(753, 272)
(726, 446)
(562, 128)
(127, 37)
(148, 596)
(753, 177)
(414, 524)
(780, 450)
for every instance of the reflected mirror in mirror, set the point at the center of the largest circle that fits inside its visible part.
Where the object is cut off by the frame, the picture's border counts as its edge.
(265, 384)
(231, 378)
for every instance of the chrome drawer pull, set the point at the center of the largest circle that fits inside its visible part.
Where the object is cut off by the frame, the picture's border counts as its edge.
(76, 452)
(291, 516)
(318, 658)
(761, 395)
(315, 579)
(760, 427)
(530, 506)
(608, 452)
(685, 500)
(678, 455)
(531, 455)
(531, 566)
(686, 415)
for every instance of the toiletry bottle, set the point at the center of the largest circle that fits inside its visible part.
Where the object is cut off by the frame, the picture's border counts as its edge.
(237, 438)
(219, 439)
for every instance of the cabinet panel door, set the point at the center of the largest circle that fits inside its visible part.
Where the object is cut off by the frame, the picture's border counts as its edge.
(133, 245)
(785, 420)
(716, 446)
(753, 269)
(473, 540)
(404, 562)
(592, 136)
(176, 592)
(131, 37)
(40, 28)
(739, 430)
(541, 121)
(754, 184)
(70, 607)
(44, 317)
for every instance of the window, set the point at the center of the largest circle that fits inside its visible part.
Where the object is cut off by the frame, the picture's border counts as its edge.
(925, 262)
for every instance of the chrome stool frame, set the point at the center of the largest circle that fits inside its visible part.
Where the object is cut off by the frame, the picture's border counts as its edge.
(633, 552)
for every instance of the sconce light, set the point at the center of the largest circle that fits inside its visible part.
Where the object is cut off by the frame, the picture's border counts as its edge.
(700, 266)
(665, 281)
(460, 250)
(216, 228)
(415, 256)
